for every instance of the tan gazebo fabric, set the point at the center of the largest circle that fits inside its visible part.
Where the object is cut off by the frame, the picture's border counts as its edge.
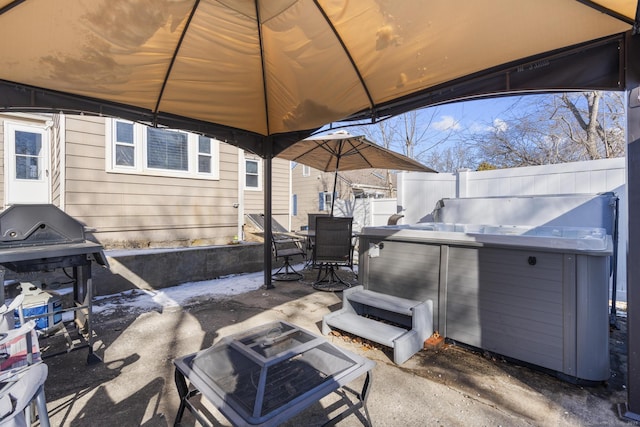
(301, 68)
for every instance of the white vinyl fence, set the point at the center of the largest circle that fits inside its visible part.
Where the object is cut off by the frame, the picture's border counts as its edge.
(366, 212)
(419, 193)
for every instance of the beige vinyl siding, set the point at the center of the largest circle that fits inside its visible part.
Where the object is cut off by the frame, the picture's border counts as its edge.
(143, 210)
(307, 189)
(254, 200)
(280, 196)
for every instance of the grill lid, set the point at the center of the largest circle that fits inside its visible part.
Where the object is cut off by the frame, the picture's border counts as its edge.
(28, 225)
(42, 231)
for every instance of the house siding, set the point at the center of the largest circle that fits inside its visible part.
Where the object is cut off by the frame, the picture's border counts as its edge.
(134, 210)
(126, 210)
(307, 189)
(254, 200)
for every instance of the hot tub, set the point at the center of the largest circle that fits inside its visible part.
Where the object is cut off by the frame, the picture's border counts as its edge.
(534, 294)
(574, 238)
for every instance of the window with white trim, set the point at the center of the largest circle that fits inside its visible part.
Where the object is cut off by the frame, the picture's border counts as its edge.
(325, 199)
(138, 149)
(252, 172)
(306, 170)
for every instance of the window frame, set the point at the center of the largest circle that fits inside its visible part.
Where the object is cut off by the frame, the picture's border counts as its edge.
(327, 198)
(306, 170)
(258, 174)
(140, 155)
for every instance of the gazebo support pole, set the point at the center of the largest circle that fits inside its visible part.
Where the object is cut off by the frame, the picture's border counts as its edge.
(631, 410)
(267, 186)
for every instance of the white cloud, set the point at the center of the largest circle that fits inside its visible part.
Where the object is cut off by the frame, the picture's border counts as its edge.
(477, 127)
(446, 123)
(500, 125)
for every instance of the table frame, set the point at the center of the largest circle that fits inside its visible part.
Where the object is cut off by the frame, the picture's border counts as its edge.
(189, 384)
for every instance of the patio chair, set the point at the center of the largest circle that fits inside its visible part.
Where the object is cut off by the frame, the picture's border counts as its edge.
(310, 237)
(7, 317)
(286, 247)
(311, 223)
(22, 377)
(332, 249)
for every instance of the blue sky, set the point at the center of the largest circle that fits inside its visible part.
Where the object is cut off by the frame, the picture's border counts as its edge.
(471, 115)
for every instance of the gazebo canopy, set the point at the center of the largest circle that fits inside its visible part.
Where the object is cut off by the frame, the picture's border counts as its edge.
(264, 74)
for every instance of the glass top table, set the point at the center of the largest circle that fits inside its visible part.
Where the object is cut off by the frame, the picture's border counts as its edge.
(268, 374)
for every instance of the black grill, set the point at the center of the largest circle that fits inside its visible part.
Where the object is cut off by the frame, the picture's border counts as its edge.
(41, 239)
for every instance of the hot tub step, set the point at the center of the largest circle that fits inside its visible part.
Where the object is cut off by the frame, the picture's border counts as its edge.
(384, 301)
(370, 329)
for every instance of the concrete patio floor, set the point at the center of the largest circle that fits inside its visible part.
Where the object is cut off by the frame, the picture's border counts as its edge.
(134, 386)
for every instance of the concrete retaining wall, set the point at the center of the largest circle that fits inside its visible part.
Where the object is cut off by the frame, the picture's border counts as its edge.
(161, 268)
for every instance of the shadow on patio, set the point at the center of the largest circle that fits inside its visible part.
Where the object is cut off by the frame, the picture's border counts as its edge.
(454, 386)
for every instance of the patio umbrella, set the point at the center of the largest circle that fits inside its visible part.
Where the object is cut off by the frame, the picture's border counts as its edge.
(341, 151)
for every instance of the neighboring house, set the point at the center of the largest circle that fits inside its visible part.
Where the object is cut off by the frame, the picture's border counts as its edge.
(133, 185)
(312, 190)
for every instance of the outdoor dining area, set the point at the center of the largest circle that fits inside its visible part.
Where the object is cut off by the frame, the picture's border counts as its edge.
(326, 246)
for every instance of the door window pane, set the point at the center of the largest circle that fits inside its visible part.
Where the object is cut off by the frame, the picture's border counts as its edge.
(27, 167)
(28, 147)
(28, 143)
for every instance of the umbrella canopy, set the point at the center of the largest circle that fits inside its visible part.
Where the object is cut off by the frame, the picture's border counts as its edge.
(341, 151)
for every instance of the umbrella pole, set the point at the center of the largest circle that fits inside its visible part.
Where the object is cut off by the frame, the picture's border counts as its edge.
(333, 194)
(335, 182)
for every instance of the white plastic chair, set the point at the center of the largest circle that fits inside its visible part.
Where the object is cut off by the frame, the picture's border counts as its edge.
(7, 319)
(22, 376)
(17, 393)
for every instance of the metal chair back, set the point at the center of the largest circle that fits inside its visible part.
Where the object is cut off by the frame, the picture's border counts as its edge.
(333, 240)
(311, 219)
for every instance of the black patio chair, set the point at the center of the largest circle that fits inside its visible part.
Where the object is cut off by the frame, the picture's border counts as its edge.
(310, 239)
(286, 247)
(332, 249)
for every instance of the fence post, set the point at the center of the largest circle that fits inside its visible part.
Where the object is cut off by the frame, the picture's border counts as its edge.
(462, 183)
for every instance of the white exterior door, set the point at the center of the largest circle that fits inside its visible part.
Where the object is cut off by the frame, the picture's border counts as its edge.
(26, 164)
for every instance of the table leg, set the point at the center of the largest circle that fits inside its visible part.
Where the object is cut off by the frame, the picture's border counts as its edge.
(183, 392)
(362, 403)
